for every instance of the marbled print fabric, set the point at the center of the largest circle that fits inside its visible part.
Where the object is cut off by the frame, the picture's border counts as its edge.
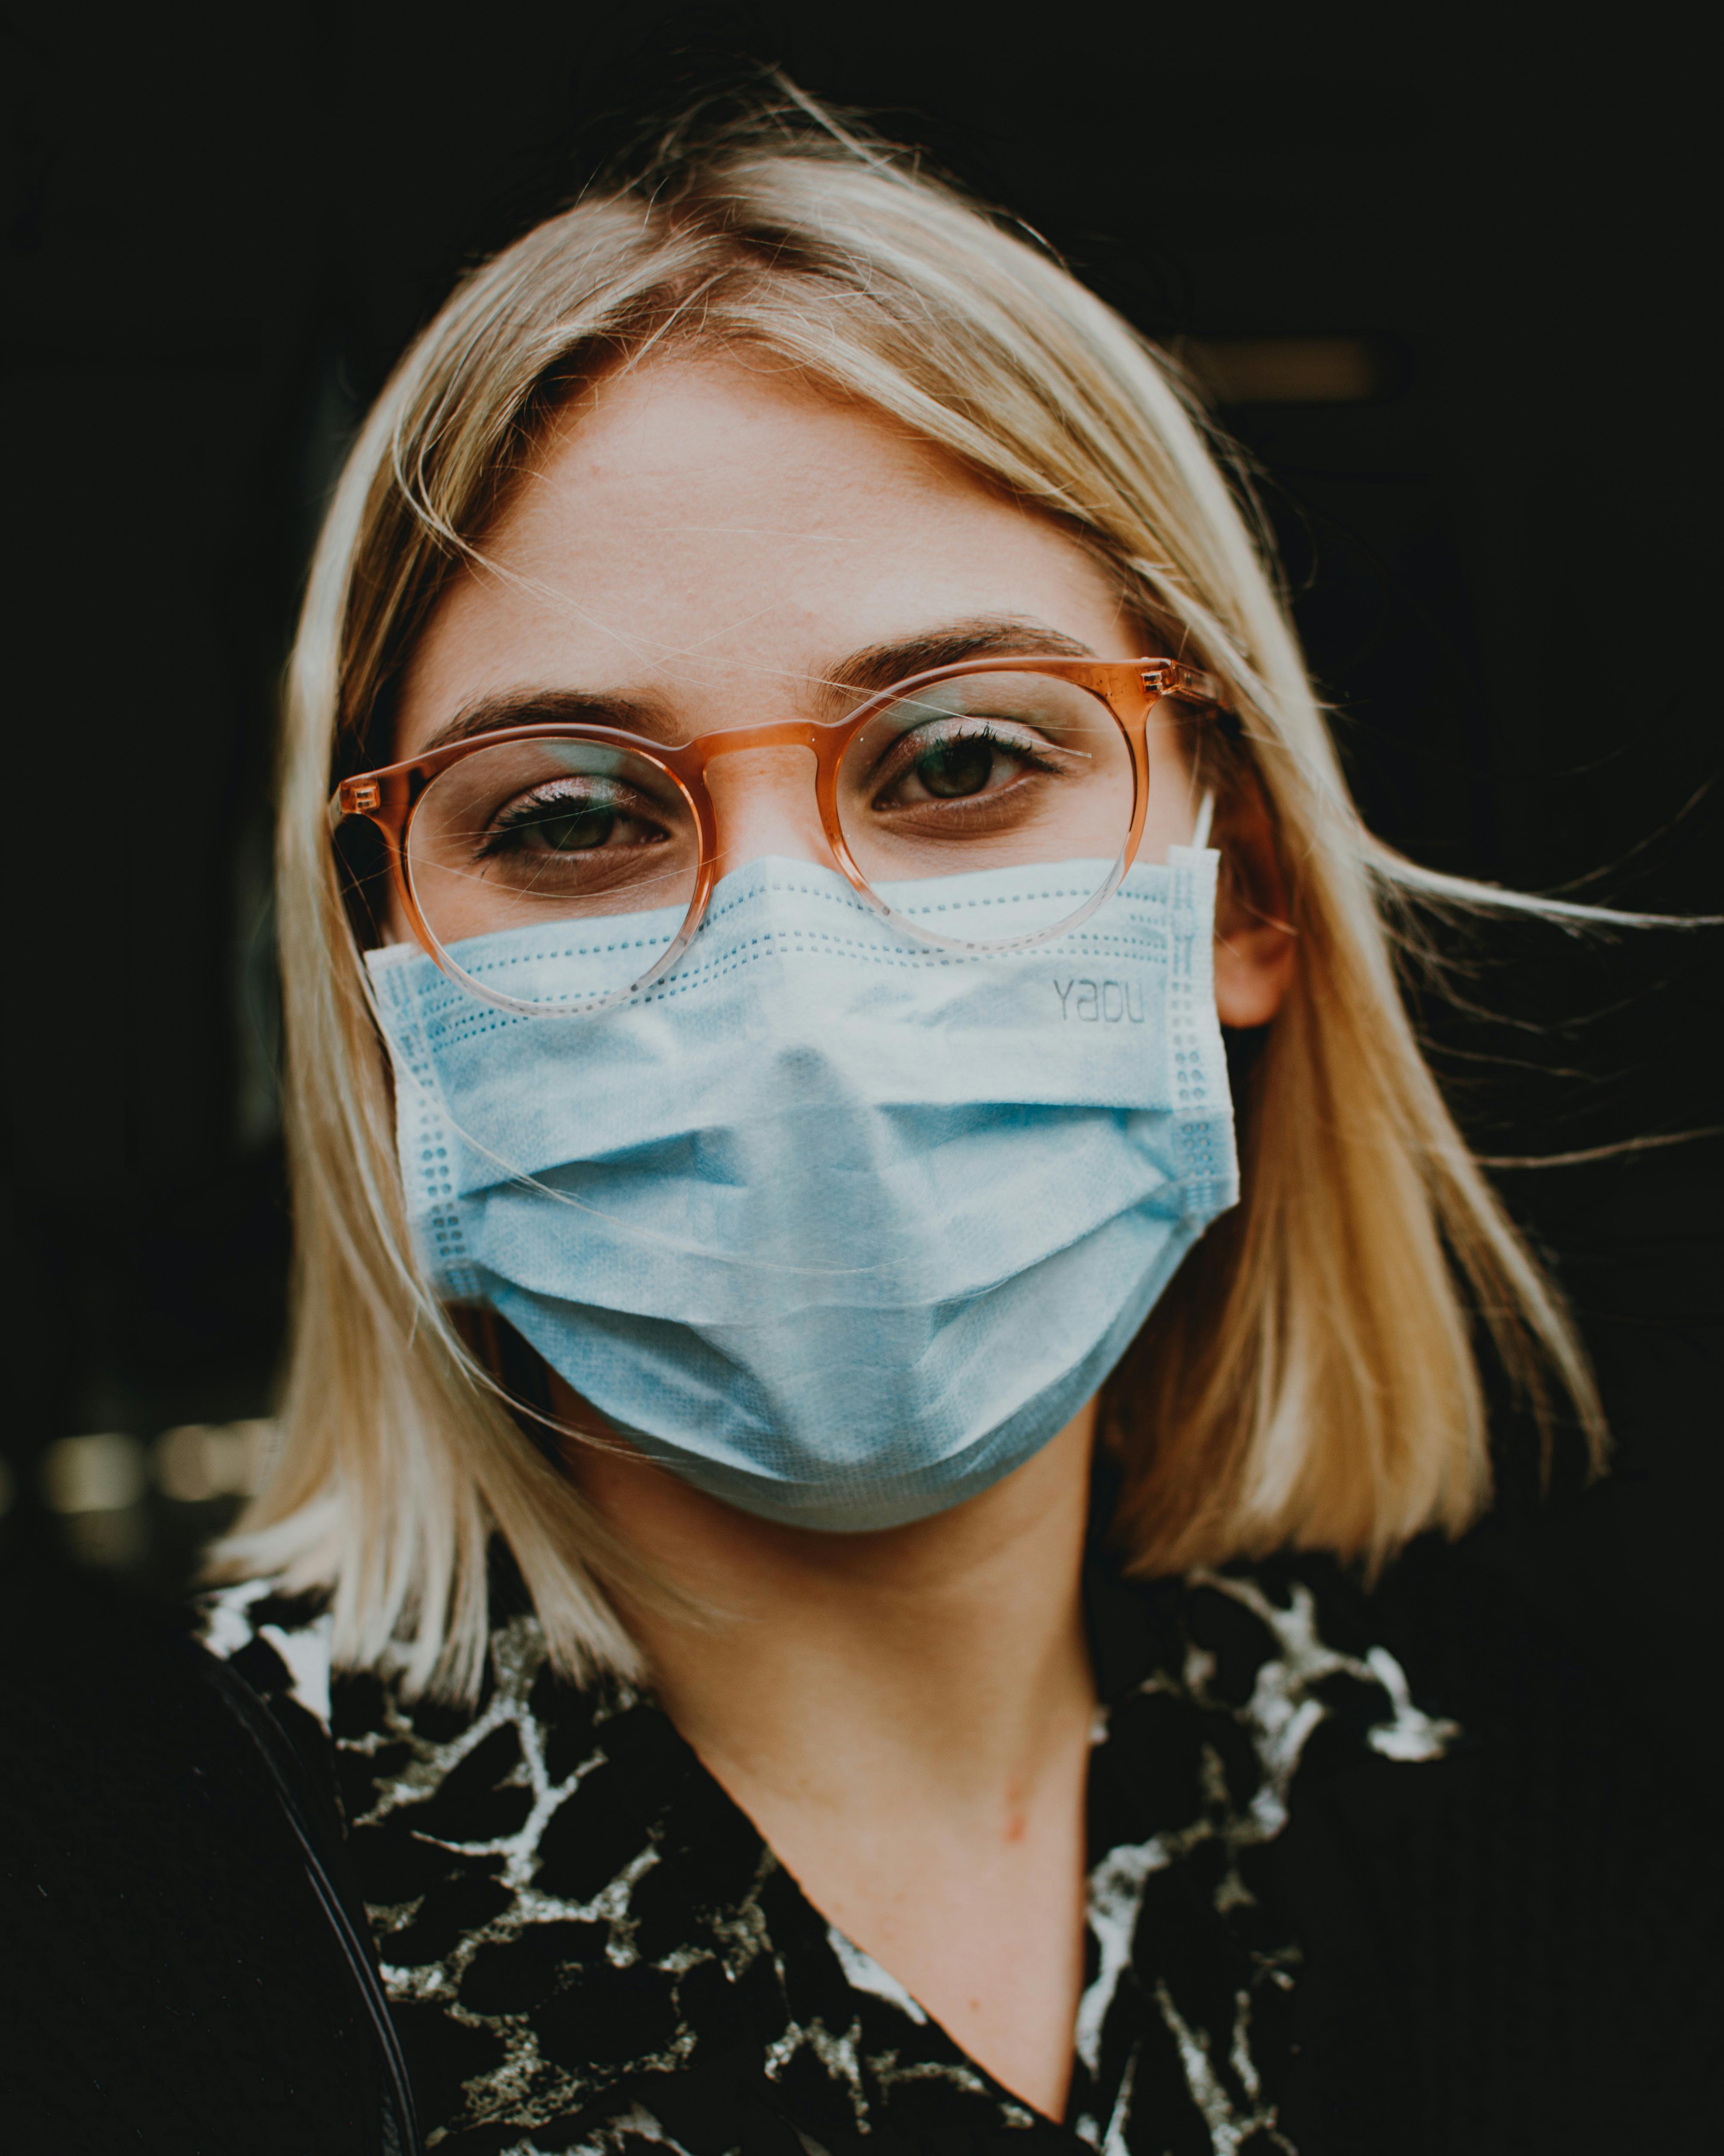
(589, 1948)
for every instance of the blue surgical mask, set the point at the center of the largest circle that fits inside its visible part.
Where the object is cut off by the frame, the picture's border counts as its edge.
(839, 1227)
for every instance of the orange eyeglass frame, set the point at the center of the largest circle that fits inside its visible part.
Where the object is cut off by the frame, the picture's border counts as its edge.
(386, 797)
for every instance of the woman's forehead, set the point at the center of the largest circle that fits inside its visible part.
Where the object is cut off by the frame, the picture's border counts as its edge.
(697, 524)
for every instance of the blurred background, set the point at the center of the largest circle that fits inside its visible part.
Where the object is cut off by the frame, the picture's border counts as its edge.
(1441, 270)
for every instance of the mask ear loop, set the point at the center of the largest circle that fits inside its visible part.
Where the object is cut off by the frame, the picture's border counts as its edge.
(1206, 814)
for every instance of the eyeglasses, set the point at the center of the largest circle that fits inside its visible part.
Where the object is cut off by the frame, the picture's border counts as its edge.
(1027, 778)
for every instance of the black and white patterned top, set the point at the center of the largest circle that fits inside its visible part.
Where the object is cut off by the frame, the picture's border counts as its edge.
(590, 1948)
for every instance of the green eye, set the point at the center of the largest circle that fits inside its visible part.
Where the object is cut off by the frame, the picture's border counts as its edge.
(575, 833)
(957, 768)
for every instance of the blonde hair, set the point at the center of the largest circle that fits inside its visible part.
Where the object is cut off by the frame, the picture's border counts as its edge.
(1310, 1378)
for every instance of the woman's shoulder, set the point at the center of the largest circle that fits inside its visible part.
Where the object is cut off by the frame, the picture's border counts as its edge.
(166, 1965)
(1281, 1662)
(1513, 1925)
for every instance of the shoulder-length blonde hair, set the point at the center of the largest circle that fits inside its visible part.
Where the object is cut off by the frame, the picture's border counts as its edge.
(1309, 1377)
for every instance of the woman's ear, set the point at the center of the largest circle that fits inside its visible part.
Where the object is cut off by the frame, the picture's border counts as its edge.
(1256, 945)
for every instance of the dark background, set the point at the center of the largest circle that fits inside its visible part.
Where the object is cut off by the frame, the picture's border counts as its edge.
(223, 225)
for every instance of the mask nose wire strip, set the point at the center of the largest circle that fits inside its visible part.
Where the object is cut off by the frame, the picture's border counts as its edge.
(1206, 816)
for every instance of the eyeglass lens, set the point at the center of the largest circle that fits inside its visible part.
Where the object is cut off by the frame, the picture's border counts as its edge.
(987, 807)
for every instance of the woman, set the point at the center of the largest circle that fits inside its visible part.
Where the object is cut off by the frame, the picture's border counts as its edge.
(818, 761)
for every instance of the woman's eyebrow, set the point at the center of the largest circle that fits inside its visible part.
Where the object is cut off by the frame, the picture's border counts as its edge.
(876, 666)
(557, 707)
(986, 636)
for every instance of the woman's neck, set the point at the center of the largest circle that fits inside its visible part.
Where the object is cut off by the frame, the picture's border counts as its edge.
(905, 1715)
(944, 1646)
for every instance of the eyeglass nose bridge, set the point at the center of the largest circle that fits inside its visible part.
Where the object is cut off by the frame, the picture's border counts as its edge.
(826, 740)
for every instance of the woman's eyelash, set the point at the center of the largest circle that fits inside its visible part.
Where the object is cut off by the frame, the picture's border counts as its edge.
(521, 814)
(548, 802)
(906, 754)
(543, 804)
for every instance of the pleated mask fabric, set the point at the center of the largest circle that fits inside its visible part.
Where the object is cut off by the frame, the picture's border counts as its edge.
(839, 1226)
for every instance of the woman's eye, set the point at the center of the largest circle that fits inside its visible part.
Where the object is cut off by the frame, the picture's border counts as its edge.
(569, 830)
(580, 825)
(958, 767)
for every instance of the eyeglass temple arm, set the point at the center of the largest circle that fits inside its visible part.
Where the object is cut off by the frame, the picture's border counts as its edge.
(1167, 677)
(352, 798)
